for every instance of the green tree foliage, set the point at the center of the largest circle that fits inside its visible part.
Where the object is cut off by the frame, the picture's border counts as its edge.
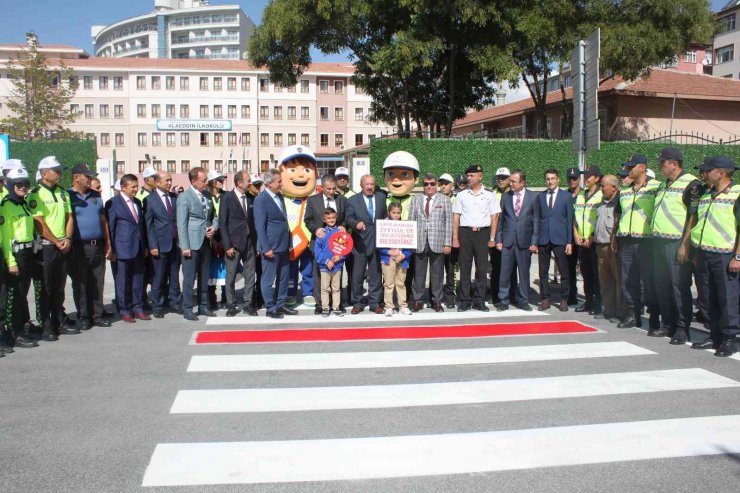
(40, 96)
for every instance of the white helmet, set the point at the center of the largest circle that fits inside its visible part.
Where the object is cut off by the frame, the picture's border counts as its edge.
(401, 159)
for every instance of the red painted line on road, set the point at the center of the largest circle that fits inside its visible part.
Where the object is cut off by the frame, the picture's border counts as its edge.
(390, 333)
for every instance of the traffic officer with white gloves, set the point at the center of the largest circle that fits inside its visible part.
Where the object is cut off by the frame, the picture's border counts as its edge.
(17, 225)
(676, 201)
(715, 236)
(50, 205)
(7, 166)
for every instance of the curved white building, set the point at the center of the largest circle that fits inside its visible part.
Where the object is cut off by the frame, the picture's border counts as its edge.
(177, 29)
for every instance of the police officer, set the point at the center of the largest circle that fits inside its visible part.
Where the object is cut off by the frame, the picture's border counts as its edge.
(17, 224)
(445, 186)
(49, 203)
(342, 176)
(501, 185)
(675, 202)
(715, 236)
(574, 187)
(8, 165)
(635, 212)
(586, 204)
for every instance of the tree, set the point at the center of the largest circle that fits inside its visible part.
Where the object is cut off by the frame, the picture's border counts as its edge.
(40, 95)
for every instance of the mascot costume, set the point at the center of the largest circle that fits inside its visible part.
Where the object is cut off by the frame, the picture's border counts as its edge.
(298, 171)
(401, 174)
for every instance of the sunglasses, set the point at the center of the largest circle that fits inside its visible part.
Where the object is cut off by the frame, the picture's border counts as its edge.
(22, 185)
(430, 184)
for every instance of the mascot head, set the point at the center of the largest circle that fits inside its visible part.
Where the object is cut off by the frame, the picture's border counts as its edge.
(401, 173)
(298, 170)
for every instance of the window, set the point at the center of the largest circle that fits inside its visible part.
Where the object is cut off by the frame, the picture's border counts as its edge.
(277, 112)
(338, 140)
(305, 113)
(156, 139)
(232, 111)
(105, 140)
(120, 167)
(156, 111)
(89, 111)
(184, 83)
(278, 139)
(171, 141)
(324, 139)
(156, 82)
(304, 140)
(231, 84)
(218, 111)
(231, 166)
(264, 165)
(725, 54)
(204, 111)
(304, 86)
(727, 23)
(87, 82)
(141, 139)
(204, 163)
(278, 87)
(170, 84)
(324, 86)
(170, 111)
(324, 112)
(103, 83)
(232, 139)
(217, 83)
(142, 165)
(291, 112)
(119, 140)
(91, 136)
(104, 111)
(339, 114)
(218, 139)
(246, 164)
(359, 91)
(204, 139)
(246, 111)
(118, 83)
(184, 111)
(118, 111)
(359, 114)
(358, 139)
(171, 166)
(185, 165)
(264, 85)
(292, 88)
(203, 83)
(246, 84)
(141, 110)
(264, 140)
(264, 112)
(140, 82)
(219, 165)
(245, 139)
(291, 139)
(690, 56)
(185, 139)
(338, 87)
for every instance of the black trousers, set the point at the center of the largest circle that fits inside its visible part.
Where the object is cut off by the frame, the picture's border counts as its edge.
(636, 258)
(450, 273)
(166, 279)
(723, 288)
(195, 272)
(473, 247)
(544, 254)
(88, 278)
(367, 266)
(590, 272)
(18, 286)
(672, 286)
(55, 279)
(496, 277)
(572, 275)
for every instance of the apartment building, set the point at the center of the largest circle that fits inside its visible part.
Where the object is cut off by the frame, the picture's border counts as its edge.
(727, 42)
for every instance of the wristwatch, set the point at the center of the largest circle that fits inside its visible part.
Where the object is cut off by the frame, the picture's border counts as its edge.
(737, 257)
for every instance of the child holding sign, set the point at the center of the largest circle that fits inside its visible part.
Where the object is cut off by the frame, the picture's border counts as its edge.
(394, 262)
(330, 252)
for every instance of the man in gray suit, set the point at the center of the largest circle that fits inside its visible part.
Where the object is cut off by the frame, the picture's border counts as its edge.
(432, 212)
(516, 238)
(196, 225)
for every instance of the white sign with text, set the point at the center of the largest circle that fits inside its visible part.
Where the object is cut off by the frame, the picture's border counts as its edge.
(395, 234)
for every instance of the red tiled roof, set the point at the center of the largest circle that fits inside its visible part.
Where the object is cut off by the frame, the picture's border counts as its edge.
(659, 83)
(12, 46)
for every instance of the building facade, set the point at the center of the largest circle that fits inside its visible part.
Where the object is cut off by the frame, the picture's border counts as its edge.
(727, 42)
(177, 29)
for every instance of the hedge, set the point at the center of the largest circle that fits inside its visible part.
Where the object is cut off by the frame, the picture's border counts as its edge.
(68, 152)
(533, 156)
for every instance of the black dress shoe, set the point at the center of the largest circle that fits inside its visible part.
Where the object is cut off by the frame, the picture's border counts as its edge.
(206, 312)
(627, 323)
(450, 305)
(6, 349)
(657, 333)
(250, 310)
(158, 314)
(275, 315)
(101, 322)
(284, 310)
(502, 307)
(677, 340)
(463, 307)
(107, 314)
(190, 316)
(25, 342)
(524, 307)
(584, 308)
(84, 325)
(232, 311)
(481, 307)
(318, 310)
(176, 309)
(614, 320)
(727, 348)
(707, 343)
(68, 330)
(654, 321)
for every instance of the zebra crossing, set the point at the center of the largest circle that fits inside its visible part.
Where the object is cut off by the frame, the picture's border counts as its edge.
(345, 457)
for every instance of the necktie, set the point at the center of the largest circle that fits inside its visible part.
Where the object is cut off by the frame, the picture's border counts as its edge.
(279, 200)
(518, 204)
(244, 204)
(167, 204)
(426, 207)
(133, 210)
(549, 201)
(371, 208)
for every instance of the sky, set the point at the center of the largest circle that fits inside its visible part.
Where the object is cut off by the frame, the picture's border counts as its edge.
(43, 17)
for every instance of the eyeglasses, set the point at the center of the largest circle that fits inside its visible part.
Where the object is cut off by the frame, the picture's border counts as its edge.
(430, 184)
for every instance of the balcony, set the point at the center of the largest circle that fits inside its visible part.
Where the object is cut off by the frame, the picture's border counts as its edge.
(205, 39)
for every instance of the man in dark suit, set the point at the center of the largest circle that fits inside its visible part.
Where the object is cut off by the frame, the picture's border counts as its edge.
(517, 238)
(161, 226)
(236, 223)
(129, 245)
(314, 219)
(273, 244)
(363, 210)
(555, 235)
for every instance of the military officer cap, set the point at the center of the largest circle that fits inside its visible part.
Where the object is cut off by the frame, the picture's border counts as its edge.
(572, 173)
(474, 168)
(462, 179)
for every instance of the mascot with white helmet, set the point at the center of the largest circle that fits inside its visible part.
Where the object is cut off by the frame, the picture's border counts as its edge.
(401, 174)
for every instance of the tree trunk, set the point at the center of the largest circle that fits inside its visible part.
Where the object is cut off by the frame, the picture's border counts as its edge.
(451, 107)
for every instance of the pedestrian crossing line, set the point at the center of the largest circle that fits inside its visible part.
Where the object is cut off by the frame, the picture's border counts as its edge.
(389, 333)
(443, 394)
(372, 318)
(181, 464)
(402, 359)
